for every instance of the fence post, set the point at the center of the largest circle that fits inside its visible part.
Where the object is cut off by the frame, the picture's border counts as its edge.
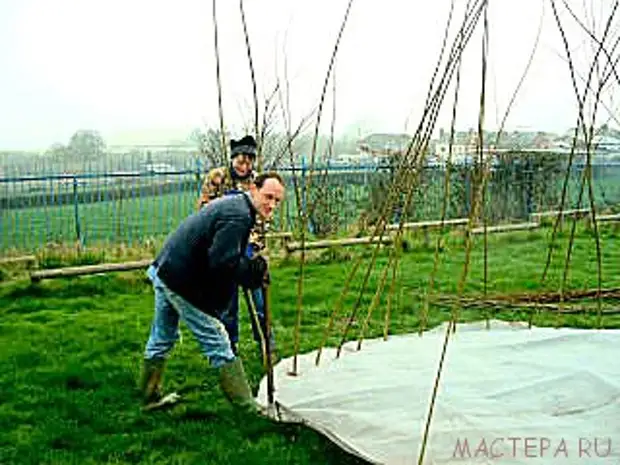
(76, 211)
(199, 170)
(468, 192)
(303, 183)
(303, 192)
(529, 188)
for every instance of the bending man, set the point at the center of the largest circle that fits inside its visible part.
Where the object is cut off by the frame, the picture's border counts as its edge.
(192, 277)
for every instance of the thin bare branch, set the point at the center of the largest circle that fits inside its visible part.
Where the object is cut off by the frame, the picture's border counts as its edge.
(257, 132)
(219, 82)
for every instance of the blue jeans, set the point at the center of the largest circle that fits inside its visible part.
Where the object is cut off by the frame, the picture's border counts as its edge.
(230, 317)
(170, 308)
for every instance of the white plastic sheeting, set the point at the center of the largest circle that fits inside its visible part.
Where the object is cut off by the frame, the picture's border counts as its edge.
(509, 395)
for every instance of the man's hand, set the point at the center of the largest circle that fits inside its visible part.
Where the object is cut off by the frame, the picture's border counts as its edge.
(258, 269)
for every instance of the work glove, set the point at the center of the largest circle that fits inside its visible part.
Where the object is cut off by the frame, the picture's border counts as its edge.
(257, 270)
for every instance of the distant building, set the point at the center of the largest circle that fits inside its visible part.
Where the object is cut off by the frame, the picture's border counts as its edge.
(606, 144)
(461, 149)
(159, 168)
(188, 149)
(384, 144)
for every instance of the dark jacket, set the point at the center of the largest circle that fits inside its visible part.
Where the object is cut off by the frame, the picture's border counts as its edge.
(204, 259)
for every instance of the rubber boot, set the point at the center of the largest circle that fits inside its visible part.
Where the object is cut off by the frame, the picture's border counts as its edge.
(236, 388)
(151, 386)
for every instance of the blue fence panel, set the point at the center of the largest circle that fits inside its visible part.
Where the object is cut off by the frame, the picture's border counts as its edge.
(125, 203)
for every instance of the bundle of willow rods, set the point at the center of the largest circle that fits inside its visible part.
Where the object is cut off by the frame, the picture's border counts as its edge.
(537, 301)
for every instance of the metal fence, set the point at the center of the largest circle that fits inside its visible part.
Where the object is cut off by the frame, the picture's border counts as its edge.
(136, 203)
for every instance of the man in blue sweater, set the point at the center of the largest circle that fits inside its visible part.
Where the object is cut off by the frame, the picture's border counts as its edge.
(192, 277)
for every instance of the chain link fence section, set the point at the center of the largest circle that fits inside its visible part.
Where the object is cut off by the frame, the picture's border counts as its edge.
(131, 202)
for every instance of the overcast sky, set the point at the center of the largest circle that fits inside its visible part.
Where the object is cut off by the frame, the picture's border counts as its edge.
(148, 65)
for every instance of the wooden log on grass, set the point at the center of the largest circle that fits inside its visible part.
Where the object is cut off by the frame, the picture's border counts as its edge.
(279, 235)
(430, 224)
(426, 225)
(612, 218)
(577, 212)
(284, 236)
(325, 244)
(88, 269)
(28, 260)
(499, 228)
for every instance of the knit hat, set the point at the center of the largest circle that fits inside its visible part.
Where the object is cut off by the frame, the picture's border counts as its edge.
(245, 145)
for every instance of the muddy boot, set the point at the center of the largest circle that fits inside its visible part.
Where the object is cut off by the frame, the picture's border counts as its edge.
(236, 388)
(151, 386)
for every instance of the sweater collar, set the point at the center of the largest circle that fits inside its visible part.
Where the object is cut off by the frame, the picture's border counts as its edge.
(248, 198)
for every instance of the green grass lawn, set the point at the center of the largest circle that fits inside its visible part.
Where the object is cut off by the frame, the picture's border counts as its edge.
(71, 353)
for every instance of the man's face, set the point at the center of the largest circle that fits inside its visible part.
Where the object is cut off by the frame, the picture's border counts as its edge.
(242, 164)
(268, 197)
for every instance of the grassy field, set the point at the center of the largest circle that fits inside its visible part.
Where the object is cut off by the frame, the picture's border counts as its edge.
(71, 353)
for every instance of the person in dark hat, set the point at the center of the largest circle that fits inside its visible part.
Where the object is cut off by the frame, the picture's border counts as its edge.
(229, 180)
(234, 178)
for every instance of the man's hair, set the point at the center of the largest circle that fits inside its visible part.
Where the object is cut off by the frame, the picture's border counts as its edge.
(261, 178)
